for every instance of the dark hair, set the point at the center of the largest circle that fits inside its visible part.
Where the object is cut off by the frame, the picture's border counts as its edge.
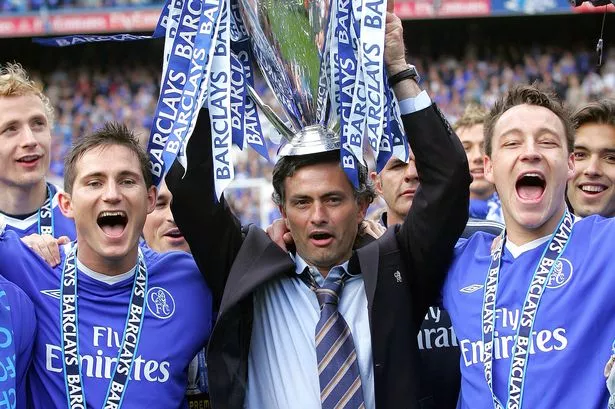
(531, 95)
(599, 112)
(112, 133)
(288, 165)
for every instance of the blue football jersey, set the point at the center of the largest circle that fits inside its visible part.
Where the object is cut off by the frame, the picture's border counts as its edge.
(62, 226)
(16, 341)
(487, 209)
(574, 326)
(176, 325)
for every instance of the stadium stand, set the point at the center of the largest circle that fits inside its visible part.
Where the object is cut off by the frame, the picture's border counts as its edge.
(22, 6)
(91, 84)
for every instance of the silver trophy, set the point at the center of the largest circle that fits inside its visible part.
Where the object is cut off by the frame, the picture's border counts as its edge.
(288, 40)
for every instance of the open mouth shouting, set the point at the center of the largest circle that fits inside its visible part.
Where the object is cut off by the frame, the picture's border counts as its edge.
(321, 238)
(530, 187)
(112, 222)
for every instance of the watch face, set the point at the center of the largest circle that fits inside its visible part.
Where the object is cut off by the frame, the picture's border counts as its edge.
(409, 73)
(415, 75)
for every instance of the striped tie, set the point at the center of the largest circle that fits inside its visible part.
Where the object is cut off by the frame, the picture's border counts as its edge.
(338, 369)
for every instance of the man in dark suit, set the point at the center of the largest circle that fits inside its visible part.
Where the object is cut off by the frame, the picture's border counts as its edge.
(440, 375)
(264, 351)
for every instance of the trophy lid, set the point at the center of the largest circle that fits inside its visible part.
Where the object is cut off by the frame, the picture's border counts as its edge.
(311, 139)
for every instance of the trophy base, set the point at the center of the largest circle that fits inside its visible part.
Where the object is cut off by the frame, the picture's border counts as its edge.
(311, 139)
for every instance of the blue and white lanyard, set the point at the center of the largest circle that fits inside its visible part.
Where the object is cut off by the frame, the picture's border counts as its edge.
(548, 261)
(45, 213)
(69, 330)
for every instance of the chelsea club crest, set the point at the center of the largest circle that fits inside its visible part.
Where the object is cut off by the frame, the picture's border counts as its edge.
(160, 303)
(561, 274)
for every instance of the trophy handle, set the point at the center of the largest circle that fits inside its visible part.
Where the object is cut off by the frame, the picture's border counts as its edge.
(275, 120)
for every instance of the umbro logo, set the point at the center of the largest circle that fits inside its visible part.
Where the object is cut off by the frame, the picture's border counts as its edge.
(471, 288)
(52, 293)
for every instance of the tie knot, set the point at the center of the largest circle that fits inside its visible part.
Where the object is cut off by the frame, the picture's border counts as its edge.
(329, 293)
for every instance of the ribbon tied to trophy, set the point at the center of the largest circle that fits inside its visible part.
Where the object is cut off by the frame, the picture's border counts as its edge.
(321, 59)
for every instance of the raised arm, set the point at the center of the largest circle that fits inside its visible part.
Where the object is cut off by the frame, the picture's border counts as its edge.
(440, 207)
(212, 231)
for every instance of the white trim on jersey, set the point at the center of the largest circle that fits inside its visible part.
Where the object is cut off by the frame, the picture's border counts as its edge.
(103, 277)
(516, 251)
(21, 224)
(484, 223)
(24, 224)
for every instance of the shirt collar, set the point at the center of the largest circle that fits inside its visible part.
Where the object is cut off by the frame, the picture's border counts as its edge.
(103, 277)
(516, 250)
(301, 264)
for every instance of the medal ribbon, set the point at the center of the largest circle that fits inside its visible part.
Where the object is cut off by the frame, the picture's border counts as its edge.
(45, 213)
(548, 261)
(69, 330)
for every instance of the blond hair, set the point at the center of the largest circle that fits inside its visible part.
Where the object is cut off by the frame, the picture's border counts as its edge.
(473, 115)
(14, 82)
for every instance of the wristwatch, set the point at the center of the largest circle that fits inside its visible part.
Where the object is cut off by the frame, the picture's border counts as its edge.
(409, 72)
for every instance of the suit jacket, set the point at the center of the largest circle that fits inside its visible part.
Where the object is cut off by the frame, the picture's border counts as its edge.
(439, 371)
(403, 271)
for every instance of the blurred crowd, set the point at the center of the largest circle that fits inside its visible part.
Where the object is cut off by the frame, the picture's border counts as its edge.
(23, 6)
(453, 83)
(511, 153)
(85, 96)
